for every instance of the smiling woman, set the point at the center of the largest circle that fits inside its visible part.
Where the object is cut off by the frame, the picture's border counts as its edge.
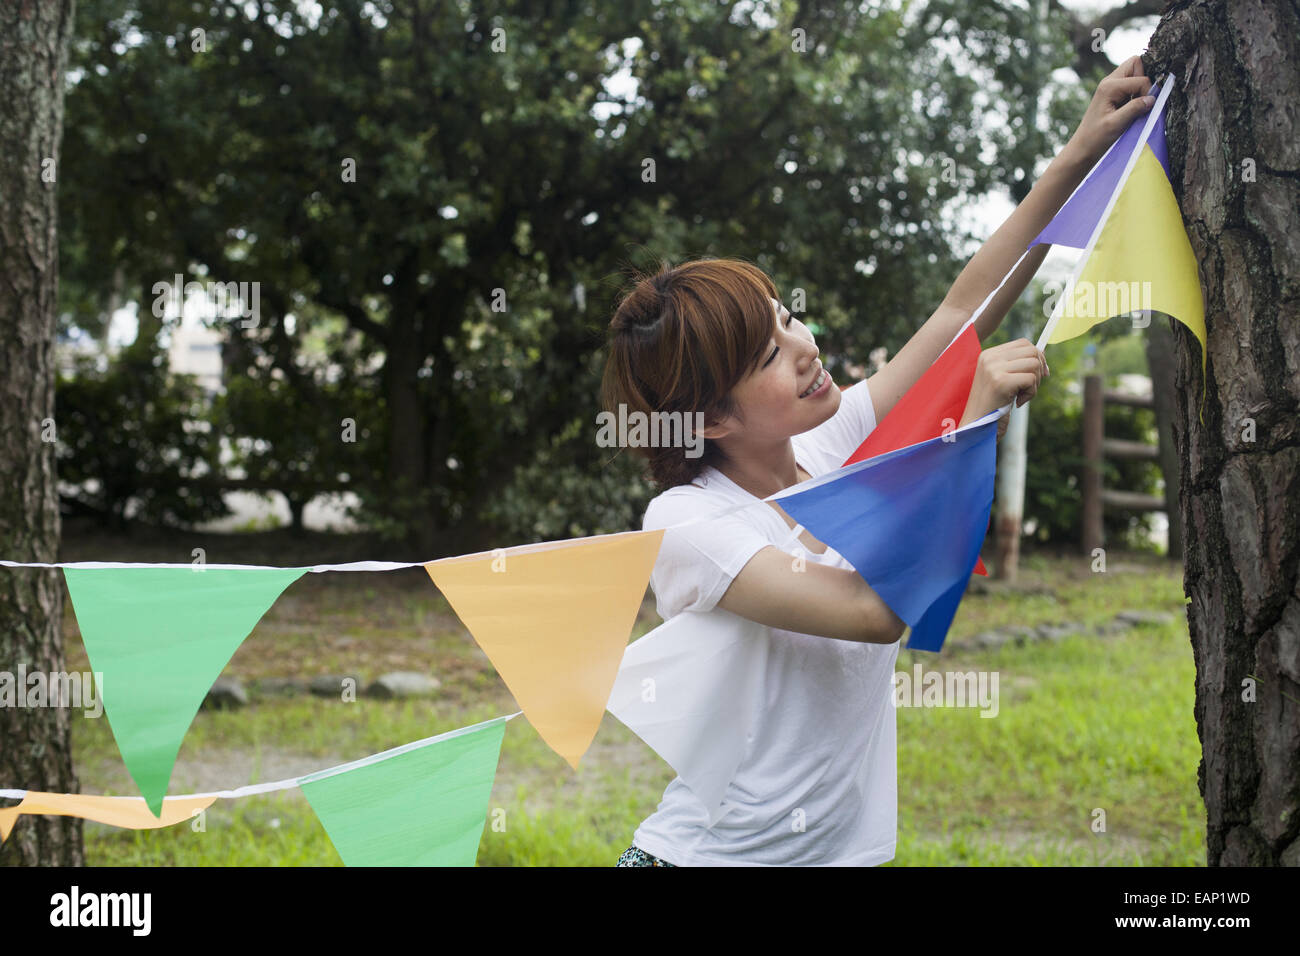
(680, 341)
(712, 336)
(817, 783)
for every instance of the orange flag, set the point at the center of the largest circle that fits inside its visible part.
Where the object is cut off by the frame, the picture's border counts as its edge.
(131, 813)
(554, 619)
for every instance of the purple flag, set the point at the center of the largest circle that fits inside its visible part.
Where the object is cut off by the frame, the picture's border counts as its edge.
(1074, 224)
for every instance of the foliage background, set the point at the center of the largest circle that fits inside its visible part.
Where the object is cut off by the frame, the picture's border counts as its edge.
(451, 303)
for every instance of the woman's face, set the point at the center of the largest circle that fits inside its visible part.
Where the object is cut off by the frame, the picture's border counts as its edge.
(771, 398)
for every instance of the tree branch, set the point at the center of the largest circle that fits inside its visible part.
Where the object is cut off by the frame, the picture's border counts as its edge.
(1087, 60)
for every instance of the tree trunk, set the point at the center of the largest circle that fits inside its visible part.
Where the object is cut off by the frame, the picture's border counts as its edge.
(407, 456)
(35, 753)
(1235, 165)
(297, 505)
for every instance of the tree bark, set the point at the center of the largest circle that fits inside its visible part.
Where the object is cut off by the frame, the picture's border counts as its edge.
(1235, 166)
(35, 745)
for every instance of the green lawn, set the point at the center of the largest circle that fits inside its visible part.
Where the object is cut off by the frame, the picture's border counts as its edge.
(1085, 723)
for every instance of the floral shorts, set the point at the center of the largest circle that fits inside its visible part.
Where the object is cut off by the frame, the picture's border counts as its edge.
(634, 857)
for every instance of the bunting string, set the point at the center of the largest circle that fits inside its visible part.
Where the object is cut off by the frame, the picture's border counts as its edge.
(290, 783)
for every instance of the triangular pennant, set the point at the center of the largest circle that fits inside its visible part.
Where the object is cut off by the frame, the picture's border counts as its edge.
(934, 404)
(422, 804)
(161, 637)
(1142, 261)
(910, 521)
(554, 620)
(706, 671)
(928, 633)
(131, 813)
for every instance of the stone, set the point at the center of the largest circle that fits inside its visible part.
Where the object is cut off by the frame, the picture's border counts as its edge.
(331, 685)
(403, 684)
(1130, 617)
(227, 693)
(1021, 634)
(281, 686)
(1056, 632)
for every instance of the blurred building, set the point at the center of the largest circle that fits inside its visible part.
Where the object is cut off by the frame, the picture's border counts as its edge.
(196, 350)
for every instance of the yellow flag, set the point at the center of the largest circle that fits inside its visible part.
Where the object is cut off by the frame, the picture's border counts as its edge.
(1142, 260)
(554, 619)
(132, 813)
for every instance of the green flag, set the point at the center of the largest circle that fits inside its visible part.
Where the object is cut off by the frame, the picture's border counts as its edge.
(160, 637)
(422, 804)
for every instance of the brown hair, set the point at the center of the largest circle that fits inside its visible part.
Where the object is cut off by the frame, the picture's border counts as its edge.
(680, 341)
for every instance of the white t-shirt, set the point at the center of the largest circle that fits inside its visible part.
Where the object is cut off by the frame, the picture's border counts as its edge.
(818, 782)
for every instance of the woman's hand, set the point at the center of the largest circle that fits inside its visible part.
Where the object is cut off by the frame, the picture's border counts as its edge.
(1120, 98)
(1003, 373)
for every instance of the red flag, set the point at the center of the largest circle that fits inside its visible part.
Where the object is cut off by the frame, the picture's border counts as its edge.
(941, 393)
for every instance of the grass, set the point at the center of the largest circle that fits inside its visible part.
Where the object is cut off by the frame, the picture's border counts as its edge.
(1085, 724)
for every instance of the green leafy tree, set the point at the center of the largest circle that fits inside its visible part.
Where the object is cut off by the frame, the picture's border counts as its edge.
(464, 188)
(137, 434)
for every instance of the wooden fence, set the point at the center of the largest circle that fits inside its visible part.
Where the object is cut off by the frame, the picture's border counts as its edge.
(1097, 447)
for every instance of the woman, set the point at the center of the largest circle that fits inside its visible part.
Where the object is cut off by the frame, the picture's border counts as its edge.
(817, 785)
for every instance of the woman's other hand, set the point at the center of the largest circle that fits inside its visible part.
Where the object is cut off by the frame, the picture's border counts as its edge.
(1006, 372)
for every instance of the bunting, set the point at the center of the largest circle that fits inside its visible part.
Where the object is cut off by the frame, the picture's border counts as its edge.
(420, 804)
(423, 804)
(691, 689)
(131, 813)
(1137, 257)
(554, 620)
(908, 510)
(910, 521)
(932, 406)
(161, 637)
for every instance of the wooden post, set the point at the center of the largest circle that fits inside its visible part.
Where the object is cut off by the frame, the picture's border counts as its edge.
(1012, 461)
(1011, 495)
(1093, 421)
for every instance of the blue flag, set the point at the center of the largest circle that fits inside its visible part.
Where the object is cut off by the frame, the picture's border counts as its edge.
(910, 521)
